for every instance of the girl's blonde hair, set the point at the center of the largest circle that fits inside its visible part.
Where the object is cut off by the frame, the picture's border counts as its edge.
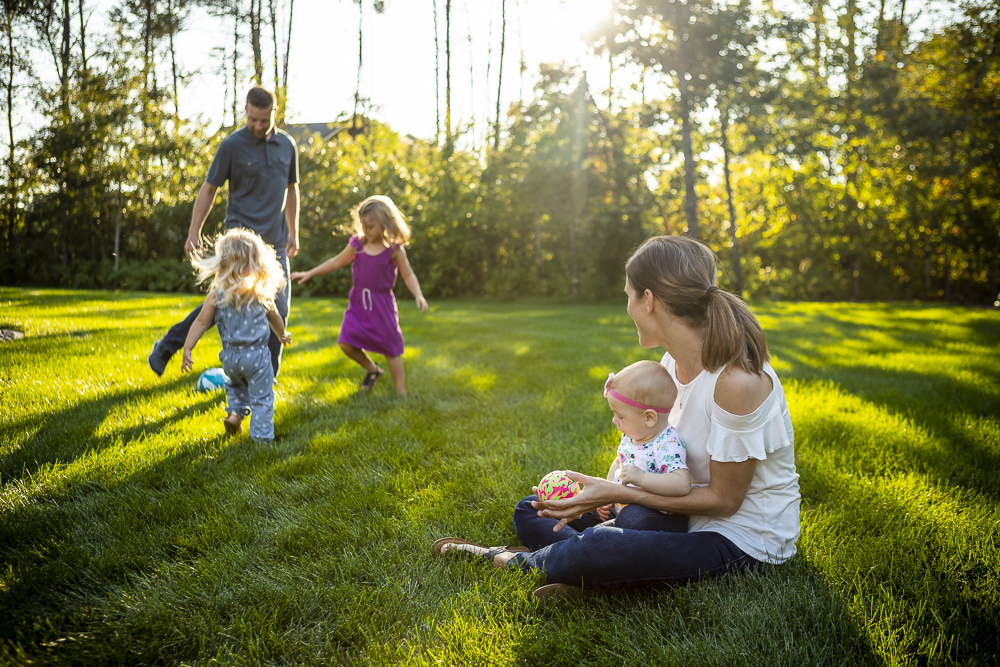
(382, 211)
(680, 272)
(646, 382)
(242, 268)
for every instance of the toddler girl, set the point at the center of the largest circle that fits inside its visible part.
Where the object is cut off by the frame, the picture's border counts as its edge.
(246, 276)
(371, 322)
(650, 455)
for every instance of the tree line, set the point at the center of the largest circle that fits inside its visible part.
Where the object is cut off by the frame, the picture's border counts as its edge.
(829, 150)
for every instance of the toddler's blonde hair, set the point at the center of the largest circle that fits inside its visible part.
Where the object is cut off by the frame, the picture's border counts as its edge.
(646, 382)
(381, 210)
(242, 268)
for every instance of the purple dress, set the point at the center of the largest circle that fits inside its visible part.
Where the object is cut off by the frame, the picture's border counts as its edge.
(371, 321)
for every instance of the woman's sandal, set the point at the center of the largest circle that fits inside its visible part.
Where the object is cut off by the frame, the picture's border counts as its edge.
(371, 378)
(437, 549)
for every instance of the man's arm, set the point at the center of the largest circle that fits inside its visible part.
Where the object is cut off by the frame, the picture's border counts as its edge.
(202, 206)
(292, 216)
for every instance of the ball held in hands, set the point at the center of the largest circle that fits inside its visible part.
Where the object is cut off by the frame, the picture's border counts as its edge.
(557, 485)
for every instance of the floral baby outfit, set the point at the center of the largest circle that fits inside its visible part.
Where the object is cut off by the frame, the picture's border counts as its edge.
(664, 453)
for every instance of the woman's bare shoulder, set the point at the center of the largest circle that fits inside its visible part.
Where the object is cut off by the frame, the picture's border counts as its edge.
(740, 393)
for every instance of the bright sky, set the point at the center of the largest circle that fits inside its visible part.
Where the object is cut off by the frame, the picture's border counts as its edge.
(398, 57)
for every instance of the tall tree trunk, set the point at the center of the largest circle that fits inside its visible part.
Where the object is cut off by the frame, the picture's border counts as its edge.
(147, 62)
(354, 131)
(12, 184)
(236, 49)
(174, 26)
(273, 11)
(737, 272)
(683, 71)
(256, 10)
(995, 291)
(472, 70)
(118, 232)
(447, 70)
(536, 212)
(288, 52)
(83, 38)
(64, 64)
(503, 44)
(690, 203)
(437, 78)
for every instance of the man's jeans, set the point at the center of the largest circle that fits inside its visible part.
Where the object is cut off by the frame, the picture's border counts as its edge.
(639, 547)
(174, 340)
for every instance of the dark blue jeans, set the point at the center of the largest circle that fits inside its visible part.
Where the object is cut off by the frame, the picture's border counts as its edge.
(175, 337)
(639, 547)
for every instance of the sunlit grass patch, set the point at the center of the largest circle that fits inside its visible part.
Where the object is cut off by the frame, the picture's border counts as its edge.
(132, 530)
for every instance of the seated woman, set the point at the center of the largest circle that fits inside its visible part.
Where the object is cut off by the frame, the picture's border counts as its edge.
(730, 412)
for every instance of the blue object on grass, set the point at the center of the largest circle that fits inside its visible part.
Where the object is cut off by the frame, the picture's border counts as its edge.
(212, 379)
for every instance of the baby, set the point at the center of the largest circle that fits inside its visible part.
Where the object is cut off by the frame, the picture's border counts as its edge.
(650, 455)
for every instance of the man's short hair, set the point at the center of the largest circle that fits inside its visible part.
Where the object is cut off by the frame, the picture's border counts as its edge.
(262, 98)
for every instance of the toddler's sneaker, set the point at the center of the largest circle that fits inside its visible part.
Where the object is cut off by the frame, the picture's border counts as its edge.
(158, 358)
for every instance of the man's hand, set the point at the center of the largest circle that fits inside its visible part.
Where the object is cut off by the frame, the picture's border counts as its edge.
(292, 249)
(192, 247)
(286, 339)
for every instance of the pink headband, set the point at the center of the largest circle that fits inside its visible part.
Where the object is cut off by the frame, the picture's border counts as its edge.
(608, 391)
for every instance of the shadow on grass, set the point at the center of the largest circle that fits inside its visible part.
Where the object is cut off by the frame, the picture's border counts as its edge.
(779, 615)
(930, 397)
(88, 542)
(924, 583)
(65, 435)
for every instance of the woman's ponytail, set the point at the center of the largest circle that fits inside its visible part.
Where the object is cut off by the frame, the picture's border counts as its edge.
(680, 272)
(733, 336)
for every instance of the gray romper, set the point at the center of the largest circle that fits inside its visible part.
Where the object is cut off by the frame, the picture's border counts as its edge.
(247, 362)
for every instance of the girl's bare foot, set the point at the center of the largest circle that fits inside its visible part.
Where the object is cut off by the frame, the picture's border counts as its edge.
(233, 423)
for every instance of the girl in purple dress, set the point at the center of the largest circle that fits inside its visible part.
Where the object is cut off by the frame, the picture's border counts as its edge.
(371, 322)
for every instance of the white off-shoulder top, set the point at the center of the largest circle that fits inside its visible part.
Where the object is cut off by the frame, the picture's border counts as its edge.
(766, 526)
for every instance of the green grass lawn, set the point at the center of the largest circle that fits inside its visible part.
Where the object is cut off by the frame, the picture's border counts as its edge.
(132, 530)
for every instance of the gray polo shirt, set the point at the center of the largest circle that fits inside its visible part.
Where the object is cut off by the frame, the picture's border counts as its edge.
(259, 172)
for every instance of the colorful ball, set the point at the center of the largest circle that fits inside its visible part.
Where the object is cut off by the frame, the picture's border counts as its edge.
(212, 379)
(557, 485)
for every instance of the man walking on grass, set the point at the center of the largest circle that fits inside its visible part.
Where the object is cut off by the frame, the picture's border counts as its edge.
(262, 167)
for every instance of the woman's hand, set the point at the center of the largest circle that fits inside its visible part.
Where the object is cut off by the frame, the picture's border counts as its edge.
(300, 276)
(596, 493)
(422, 304)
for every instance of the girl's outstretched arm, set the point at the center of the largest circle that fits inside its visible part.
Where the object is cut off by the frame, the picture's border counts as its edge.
(339, 261)
(201, 324)
(409, 277)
